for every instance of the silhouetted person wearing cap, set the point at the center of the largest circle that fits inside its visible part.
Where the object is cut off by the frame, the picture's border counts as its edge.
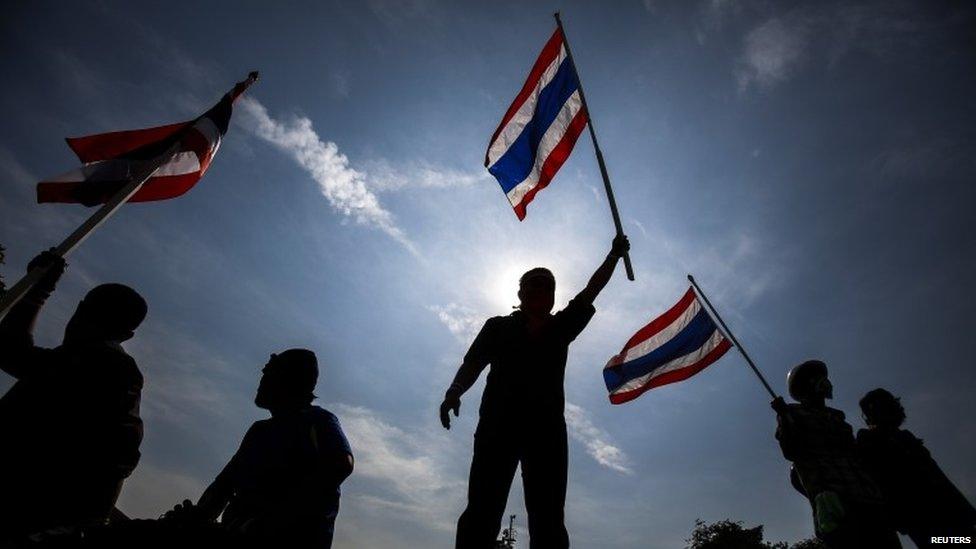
(923, 501)
(848, 508)
(69, 427)
(522, 408)
(281, 488)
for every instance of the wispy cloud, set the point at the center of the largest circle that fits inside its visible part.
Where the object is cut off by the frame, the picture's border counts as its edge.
(461, 321)
(344, 187)
(384, 176)
(596, 440)
(409, 479)
(772, 51)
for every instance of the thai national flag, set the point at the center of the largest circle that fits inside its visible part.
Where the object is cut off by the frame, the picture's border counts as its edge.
(539, 129)
(673, 347)
(111, 159)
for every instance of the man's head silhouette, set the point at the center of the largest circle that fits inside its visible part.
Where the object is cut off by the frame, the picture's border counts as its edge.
(882, 409)
(288, 380)
(109, 312)
(537, 291)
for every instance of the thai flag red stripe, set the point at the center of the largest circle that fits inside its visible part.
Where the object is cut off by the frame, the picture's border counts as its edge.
(673, 376)
(555, 160)
(549, 52)
(103, 146)
(661, 322)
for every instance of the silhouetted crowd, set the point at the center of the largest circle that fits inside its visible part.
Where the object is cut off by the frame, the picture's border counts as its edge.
(70, 432)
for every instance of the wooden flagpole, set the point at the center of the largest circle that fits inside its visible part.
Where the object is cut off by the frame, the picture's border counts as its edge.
(729, 333)
(20, 289)
(596, 147)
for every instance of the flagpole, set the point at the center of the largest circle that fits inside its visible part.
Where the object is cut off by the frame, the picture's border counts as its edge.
(20, 289)
(728, 332)
(596, 147)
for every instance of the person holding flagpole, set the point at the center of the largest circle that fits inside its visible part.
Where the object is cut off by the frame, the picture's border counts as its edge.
(521, 415)
(848, 507)
(69, 427)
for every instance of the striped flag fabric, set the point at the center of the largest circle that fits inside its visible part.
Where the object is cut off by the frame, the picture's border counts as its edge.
(110, 160)
(540, 128)
(672, 347)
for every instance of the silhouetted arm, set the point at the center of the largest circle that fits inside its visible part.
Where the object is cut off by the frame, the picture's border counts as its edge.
(476, 359)
(17, 328)
(221, 490)
(215, 497)
(603, 273)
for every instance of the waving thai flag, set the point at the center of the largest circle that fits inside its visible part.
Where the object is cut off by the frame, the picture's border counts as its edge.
(539, 129)
(673, 347)
(110, 159)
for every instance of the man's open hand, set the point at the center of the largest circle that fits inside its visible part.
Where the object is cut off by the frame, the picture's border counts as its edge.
(451, 402)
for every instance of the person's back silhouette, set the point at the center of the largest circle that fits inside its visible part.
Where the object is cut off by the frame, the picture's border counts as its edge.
(281, 488)
(69, 427)
(521, 416)
(924, 502)
(847, 505)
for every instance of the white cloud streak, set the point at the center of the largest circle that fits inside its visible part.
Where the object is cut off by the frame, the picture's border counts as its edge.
(596, 441)
(461, 321)
(772, 52)
(383, 176)
(344, 187)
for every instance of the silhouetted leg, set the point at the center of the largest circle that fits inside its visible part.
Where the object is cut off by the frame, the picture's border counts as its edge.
(545, 466)
(492, 470)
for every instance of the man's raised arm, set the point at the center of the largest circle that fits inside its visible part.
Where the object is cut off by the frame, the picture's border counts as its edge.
(603, 273)
(17, 328)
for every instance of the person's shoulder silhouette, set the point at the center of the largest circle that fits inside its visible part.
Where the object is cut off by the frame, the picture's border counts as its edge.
(282, 484)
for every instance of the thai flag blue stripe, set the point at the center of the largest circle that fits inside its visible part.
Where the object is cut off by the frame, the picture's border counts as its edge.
(514, 166)
(689, 339)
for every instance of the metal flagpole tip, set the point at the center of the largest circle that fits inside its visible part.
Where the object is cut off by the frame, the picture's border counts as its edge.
(690, 278)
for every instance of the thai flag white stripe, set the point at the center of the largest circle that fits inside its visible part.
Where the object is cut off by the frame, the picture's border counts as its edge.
(183, 163)
(550, 139)
(676, 364)
(525, 113)
(664, 335)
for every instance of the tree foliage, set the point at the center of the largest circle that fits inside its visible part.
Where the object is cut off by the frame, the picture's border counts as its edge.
(728, 534)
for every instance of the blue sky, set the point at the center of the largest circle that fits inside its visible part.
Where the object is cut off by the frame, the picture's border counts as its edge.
(812, 164)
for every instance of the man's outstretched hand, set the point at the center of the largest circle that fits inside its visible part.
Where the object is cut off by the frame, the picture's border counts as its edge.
(451, 402)
(620, 246)
(55, 265)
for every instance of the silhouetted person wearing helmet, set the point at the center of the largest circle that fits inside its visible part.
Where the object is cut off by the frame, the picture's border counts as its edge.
(848, 509)
(281, 488)
(923, 501)
(522, 408)
(69, 427)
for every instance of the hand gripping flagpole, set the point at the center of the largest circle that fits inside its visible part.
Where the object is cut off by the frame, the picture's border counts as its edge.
(596, 147)
(728, 332)
(139, 178)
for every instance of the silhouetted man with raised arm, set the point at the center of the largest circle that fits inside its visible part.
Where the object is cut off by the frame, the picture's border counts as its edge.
(281, 488)
(69, 427)
(522, 408)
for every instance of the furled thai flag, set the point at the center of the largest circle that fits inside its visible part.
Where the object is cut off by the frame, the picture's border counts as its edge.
(673, 347)
(112, 159)
(540, 128)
